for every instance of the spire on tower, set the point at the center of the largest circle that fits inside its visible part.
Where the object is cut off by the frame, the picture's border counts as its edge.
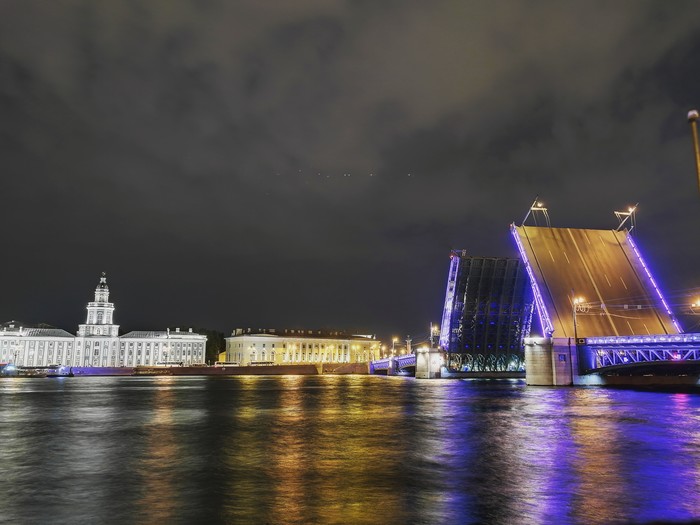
(100, 313)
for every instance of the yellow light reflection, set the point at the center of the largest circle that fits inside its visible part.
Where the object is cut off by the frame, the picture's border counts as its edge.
(161, 453)
(595, 431)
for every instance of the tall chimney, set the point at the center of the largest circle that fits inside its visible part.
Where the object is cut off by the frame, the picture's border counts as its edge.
(692, 119)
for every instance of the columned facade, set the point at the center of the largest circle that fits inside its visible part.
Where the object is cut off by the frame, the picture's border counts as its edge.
(97, 343)
(169, 346)
(35, 346)
(271, 346)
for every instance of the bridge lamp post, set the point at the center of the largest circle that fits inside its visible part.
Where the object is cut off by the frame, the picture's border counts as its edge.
(577, 306)
(394, 340)
(692, 119)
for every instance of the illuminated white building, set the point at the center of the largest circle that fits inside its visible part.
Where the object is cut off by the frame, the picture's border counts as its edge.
(151, 348)
(270, 346)
(98, 343)
(32, 346)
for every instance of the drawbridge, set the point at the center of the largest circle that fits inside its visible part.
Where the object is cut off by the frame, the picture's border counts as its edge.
(593, 289)
(590, 283)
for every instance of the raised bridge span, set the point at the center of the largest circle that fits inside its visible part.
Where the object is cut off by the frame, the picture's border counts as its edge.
(601, 312)
(603, 271)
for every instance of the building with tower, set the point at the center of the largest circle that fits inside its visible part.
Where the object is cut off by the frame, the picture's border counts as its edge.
(98, 343)
(99, 314)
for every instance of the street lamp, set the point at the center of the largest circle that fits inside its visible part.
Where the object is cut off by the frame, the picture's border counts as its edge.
(434, 332)
(692, 119)
(394, 340)
(578, 306)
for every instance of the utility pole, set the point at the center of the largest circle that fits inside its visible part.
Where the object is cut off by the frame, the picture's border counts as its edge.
(692, 119)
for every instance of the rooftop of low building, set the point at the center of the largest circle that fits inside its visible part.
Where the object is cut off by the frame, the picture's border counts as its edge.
(300, 333)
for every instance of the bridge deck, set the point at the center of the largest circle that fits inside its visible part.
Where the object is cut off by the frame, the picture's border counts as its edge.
(603, 267)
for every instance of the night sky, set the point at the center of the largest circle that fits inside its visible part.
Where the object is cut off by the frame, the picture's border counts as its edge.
(312, 163)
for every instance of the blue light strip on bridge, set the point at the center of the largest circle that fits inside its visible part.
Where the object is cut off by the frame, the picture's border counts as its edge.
(658, 291)
(449, 301)
(545, 321)
(644, 339)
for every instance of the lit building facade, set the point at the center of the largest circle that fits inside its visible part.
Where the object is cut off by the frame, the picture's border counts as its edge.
(248, 346)
(151, 348)
(35, 346)
(97, 343)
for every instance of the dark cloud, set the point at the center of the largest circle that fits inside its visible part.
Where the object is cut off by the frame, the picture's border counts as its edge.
(238, 163)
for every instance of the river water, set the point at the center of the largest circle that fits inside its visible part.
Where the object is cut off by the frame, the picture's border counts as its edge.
(343, 450)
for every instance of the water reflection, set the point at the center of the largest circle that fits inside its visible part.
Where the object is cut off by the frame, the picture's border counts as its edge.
(601, 488)
(306, 453)
(343, 449)
(685, 420)
(157, 469)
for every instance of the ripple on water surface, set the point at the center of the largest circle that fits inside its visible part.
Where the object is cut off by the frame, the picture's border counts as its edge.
(343, 449)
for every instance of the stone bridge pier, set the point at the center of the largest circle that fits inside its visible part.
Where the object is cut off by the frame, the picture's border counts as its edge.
(557, 361)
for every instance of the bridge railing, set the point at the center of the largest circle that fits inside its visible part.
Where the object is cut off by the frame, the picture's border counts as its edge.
(404, 361)
(614, 357)
(644, 339)
(380, 364)
(630, 350)
(400, 362)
